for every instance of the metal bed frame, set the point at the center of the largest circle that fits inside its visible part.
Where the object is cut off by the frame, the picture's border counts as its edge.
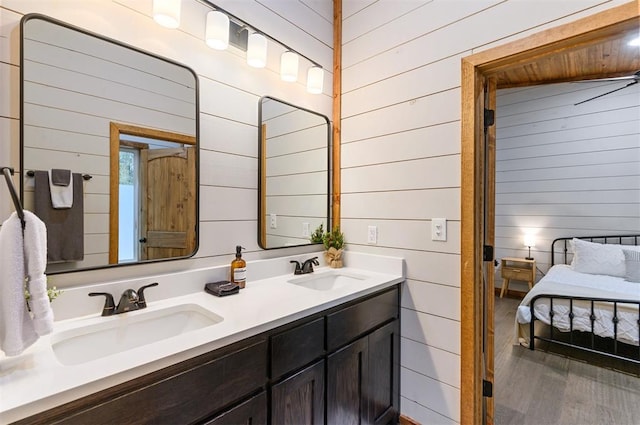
(632, 355)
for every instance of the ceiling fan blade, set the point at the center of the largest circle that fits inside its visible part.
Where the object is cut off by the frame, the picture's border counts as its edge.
(609, 92)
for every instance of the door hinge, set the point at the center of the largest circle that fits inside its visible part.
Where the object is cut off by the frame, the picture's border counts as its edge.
(487, 388)
(487, 253)
(489, 117)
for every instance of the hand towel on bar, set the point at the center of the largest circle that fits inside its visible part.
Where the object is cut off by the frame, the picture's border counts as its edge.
(65, 228)
(61, 194)
(35, 258)
(16, 328)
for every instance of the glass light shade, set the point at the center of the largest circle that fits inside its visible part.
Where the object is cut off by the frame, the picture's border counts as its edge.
(529, 240)
(167, 13)
(289, 66)
(257, 50)
(315, 80)
(634, 42)
(217, 30)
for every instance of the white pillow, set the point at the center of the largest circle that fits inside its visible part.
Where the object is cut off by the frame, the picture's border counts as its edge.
(632, 263)
(597, 258)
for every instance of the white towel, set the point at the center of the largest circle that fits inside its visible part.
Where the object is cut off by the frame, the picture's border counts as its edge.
(35, 256)
(61, 196)
(18, 328)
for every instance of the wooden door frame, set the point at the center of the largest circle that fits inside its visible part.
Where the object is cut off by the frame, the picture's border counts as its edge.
(115, 130)
(475, 69)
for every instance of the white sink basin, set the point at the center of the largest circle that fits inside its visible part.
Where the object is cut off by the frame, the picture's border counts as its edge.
(327, 280)
(129, 330)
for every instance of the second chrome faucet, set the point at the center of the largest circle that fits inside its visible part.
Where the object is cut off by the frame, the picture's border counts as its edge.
(129, 300)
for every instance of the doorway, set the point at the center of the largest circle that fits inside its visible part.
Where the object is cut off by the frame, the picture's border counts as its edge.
(571, 52)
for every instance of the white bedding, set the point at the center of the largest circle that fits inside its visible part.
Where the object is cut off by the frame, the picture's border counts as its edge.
(563, 280)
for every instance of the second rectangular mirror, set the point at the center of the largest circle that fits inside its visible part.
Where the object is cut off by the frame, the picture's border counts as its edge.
(294, 173)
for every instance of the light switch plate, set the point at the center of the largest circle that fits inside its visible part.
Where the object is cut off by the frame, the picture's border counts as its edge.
(438, 229)
(305, 230)
(372, 235)
(273, 221)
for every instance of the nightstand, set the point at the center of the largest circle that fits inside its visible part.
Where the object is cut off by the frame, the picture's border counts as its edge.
(518, 269)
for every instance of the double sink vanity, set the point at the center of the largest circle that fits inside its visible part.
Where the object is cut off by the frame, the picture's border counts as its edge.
(311, 348)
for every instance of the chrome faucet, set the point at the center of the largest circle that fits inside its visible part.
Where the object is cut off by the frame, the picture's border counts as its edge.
(129, 300)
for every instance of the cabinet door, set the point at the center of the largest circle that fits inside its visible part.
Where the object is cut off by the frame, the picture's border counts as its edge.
(251, 412)
(346, 383)
(383, 379)
(299, 399)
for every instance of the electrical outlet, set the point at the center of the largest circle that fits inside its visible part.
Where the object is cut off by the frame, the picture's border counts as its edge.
(438, 229)
(305, 230)
(372, 235)
(273, 221)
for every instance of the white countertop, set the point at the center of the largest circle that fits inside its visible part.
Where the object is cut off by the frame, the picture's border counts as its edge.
(36, 381)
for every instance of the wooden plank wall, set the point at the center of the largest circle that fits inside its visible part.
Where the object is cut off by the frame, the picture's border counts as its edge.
(401, 160)
(565, 170)
(229, 95)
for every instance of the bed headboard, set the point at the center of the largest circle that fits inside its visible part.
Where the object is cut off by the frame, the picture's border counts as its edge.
(609, 239)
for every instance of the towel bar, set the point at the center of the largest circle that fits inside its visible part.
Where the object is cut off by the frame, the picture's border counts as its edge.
(32, 173)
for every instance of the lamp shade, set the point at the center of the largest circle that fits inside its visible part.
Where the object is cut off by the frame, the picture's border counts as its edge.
(217, 30)
(289, 66)
(167, 13)
(529, 240)
(315, 80)
(257, 50)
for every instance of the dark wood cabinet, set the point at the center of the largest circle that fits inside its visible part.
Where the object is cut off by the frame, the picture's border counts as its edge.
(299, 399)
(336, 367)
(251, 412)
(362, 379)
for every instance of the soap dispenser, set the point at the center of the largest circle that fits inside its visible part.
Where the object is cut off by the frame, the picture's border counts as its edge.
(239, 269)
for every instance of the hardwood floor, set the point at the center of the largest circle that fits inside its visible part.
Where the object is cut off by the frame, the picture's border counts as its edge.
(544, 387)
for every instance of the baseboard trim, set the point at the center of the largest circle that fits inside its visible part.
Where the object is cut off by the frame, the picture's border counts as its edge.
(405, 420)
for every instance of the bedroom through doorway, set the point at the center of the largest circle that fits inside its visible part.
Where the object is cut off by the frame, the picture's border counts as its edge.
(547, 57)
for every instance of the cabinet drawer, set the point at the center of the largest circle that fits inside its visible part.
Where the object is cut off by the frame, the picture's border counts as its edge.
(252, 411)
(188, 396)
(294, 348)
(347, 324)
(516, 273)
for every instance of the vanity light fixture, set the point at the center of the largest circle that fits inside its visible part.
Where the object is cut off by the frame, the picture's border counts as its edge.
(217, 30)
(257, 50)
(634, 42)
(529, 242)
(315, 79)
(289, 66)
(167, 13)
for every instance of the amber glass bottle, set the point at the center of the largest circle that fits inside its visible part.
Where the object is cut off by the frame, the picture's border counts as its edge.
(239, 269)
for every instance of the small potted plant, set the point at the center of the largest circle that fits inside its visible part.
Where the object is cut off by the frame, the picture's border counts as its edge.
(316, 236)
(333, 242)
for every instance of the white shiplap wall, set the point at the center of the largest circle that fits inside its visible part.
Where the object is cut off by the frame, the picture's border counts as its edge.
(401, 160)
(229, 95)
(563, 169)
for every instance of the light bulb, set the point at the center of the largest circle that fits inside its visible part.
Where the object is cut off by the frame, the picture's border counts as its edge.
(315, 80)
(289, 66)
(217, 30)
(257, 50)
(167, 13)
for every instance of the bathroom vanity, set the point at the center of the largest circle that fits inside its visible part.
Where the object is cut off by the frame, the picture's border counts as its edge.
(323, 354)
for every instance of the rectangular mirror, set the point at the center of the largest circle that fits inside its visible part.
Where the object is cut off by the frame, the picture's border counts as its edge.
(114, 129)
(294, 173)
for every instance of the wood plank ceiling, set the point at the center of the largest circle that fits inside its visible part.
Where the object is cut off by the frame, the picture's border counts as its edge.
(598, 54)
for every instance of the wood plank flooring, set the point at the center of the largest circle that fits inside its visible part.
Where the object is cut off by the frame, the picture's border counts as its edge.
(543, 387)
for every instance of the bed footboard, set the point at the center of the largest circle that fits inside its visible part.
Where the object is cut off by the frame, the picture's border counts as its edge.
(622, 350)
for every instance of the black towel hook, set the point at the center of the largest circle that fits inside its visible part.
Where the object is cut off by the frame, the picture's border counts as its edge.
(8, 172)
